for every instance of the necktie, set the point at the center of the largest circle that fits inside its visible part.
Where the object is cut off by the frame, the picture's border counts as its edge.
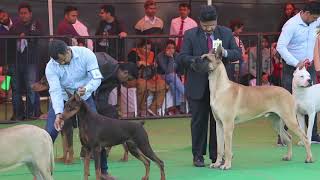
(209, 41)
(180, 34)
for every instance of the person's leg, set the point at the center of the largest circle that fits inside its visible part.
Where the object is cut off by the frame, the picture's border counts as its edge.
(33, 98)
(17, 102)
(141, 96)
(199, 130)
(50, 123)
(158, 87)
(104, 163)
(212, 138)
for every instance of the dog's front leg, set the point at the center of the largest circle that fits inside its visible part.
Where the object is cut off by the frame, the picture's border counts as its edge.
(97, 162)
(220, 144)
(228, 127)
(310, 125)
(87, 163)
(302, 125)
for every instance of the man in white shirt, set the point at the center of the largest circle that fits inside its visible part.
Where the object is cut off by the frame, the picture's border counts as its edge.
(72, 69)
(182, 23)
(296, 44)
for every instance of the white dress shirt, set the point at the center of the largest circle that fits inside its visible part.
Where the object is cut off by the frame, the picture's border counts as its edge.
(297, 40)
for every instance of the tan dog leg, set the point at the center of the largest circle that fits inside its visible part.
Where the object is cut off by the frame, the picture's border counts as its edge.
(228, 128)
(292, 124)
(220, 144)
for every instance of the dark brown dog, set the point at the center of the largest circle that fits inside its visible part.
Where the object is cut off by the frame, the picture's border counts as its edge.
(97, 131)
(67, 130)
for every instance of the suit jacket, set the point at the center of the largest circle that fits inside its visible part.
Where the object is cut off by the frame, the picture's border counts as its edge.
(195, 45)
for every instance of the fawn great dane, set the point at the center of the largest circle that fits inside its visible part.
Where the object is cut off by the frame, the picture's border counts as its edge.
(233, 103)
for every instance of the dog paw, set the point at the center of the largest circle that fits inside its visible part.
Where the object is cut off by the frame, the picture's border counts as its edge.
(215, 165)
(286, 158)
(225, 167)
(308, 160)
(145, 178)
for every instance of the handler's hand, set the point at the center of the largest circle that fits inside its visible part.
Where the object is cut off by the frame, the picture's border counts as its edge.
(58, 123)
(81, 91)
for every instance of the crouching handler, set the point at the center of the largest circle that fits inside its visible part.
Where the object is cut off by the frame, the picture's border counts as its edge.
(71, 68)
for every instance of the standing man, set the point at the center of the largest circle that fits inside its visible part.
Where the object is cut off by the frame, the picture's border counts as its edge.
(71, 68)
(150, 24)
(66, 27)
(110, 25)
(296, 44)
(198, 41)
(26, 66)
(182, 23)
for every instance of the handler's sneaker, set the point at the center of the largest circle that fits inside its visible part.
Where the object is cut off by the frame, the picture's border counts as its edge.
(315, 139)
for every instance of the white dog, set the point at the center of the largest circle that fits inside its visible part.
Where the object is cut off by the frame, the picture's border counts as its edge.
(307, 98)
(27, 145)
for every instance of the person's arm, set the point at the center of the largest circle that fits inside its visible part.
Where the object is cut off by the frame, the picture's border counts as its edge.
(161, 59)
(93, 71)
(233, 53)
(282, 45)
(316, 54)
(172, 28)
(186, 58)
(55, 89)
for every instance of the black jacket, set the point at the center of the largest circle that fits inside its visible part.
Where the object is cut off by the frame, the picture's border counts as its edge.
(195, 45)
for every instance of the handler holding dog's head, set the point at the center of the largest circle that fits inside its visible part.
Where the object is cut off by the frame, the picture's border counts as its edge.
(198, 41)
(296, 44)
(72, 69)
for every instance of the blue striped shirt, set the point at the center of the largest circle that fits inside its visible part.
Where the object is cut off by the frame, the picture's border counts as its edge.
(83, 71)
(297, 40)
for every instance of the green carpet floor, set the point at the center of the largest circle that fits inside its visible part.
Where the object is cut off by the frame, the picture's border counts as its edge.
(256, 157)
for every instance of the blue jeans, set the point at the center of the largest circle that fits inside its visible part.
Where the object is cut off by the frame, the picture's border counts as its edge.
(54, 133)
(24, 75)
(176, 87)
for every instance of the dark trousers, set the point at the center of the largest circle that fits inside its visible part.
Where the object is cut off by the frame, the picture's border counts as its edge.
(287, 76)
(201, 111)
(23, 76)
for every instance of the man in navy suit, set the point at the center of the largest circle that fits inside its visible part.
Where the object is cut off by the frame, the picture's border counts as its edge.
(198, 41)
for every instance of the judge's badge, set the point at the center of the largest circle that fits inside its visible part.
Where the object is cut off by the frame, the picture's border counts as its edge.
(216, 44)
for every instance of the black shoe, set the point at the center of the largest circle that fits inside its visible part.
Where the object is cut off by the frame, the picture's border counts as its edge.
(198, 161)
(315, 139)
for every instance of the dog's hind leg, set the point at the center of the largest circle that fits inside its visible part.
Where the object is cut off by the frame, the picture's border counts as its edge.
(310, 125)
(125, 153)
(133, 149)
(34, 170)
(302, 124)
(293, 125)
(287, 139)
